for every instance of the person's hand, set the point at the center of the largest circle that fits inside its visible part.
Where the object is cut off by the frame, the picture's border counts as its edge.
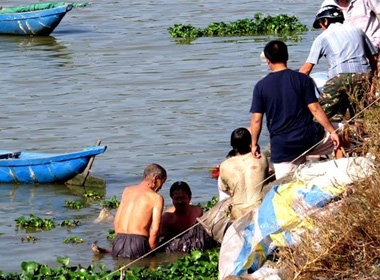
(255, 150)
(335, 139)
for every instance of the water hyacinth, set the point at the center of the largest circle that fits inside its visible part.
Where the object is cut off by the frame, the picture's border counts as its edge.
(281, 24)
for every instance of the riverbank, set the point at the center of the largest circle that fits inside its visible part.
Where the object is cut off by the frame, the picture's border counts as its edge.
(345, 246)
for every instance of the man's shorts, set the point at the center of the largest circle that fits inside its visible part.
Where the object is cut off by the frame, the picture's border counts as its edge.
(130, 246)
(342, 92)
(324, 147)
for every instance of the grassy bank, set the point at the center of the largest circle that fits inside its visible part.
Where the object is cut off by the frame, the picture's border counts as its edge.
(346, 241)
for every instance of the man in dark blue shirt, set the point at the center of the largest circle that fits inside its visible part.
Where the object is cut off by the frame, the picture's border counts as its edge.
(288, 100)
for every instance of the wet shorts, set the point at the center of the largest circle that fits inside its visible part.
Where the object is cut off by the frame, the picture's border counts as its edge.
(130, 246)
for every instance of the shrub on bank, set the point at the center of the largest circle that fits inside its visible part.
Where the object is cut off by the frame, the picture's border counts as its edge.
(345, 244)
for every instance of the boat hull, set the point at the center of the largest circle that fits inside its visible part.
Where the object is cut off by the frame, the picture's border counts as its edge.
(42, 168)
(33, 23)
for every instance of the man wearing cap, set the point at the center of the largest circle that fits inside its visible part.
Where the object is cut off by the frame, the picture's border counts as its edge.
(363, 14)
(352, 62)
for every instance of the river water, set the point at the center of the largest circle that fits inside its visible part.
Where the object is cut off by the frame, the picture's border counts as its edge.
(110, 71)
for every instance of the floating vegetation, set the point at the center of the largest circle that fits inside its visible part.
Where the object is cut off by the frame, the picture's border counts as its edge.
(111, 203)
(69, 223)
(29, 238)
(74, 204)
(209, 204)
(34, 222)
(281, 24)
(73, 240)
(111, 235)
(34, 270)
(198, 265)
(93, 195)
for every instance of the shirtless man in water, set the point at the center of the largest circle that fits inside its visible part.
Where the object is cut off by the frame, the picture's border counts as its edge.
(138, 217)
(178, 219)
(181, 216)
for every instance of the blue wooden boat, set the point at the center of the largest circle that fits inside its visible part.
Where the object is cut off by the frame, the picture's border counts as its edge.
(33, 20)
(42, 168)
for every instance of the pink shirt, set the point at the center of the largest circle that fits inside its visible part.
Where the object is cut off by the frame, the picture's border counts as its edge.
(362, 14)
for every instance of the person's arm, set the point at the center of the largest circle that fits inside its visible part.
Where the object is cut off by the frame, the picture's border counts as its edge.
(163, 226)
(318, 113)
(117, 218)
(256, 125)
(200, 212)
(156, 222)
(373, 63)
(306, 68)
(117, 224)
(223, 189)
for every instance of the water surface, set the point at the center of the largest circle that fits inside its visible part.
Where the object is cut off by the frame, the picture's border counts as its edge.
(110, 71)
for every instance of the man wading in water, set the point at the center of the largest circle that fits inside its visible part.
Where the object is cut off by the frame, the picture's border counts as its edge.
(138, 217)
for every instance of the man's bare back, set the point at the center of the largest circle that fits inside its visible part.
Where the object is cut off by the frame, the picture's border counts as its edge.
(140, 209)
(138, 217)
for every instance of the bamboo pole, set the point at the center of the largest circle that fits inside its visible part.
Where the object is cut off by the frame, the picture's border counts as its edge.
(86, 172)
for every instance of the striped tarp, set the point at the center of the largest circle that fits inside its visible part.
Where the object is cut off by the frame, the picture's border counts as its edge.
(284, 213)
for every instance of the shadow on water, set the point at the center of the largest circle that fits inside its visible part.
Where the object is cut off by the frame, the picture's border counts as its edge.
(29, 41)
(32, 193)
(71, 30)
(48, 44)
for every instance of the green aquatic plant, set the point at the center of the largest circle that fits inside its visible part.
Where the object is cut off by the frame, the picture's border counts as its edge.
(34, 222)
(111, 203)
(197, 265)
(74, 204)
(69, 223)
(34, 270)
(209, 204)
(111, 235)
(93, 195)
(73, 240)
(281, 24)
(29, 238)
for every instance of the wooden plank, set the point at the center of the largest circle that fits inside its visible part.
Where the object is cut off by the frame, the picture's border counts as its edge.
(85, 179)
(86, 172)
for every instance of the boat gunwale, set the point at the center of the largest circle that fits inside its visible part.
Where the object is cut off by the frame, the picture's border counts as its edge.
(50, 158)
(36, 13)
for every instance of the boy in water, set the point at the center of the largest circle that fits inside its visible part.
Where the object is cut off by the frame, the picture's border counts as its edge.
(181, 216)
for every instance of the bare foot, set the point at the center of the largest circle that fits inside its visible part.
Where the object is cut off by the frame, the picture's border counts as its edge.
(96, 249)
